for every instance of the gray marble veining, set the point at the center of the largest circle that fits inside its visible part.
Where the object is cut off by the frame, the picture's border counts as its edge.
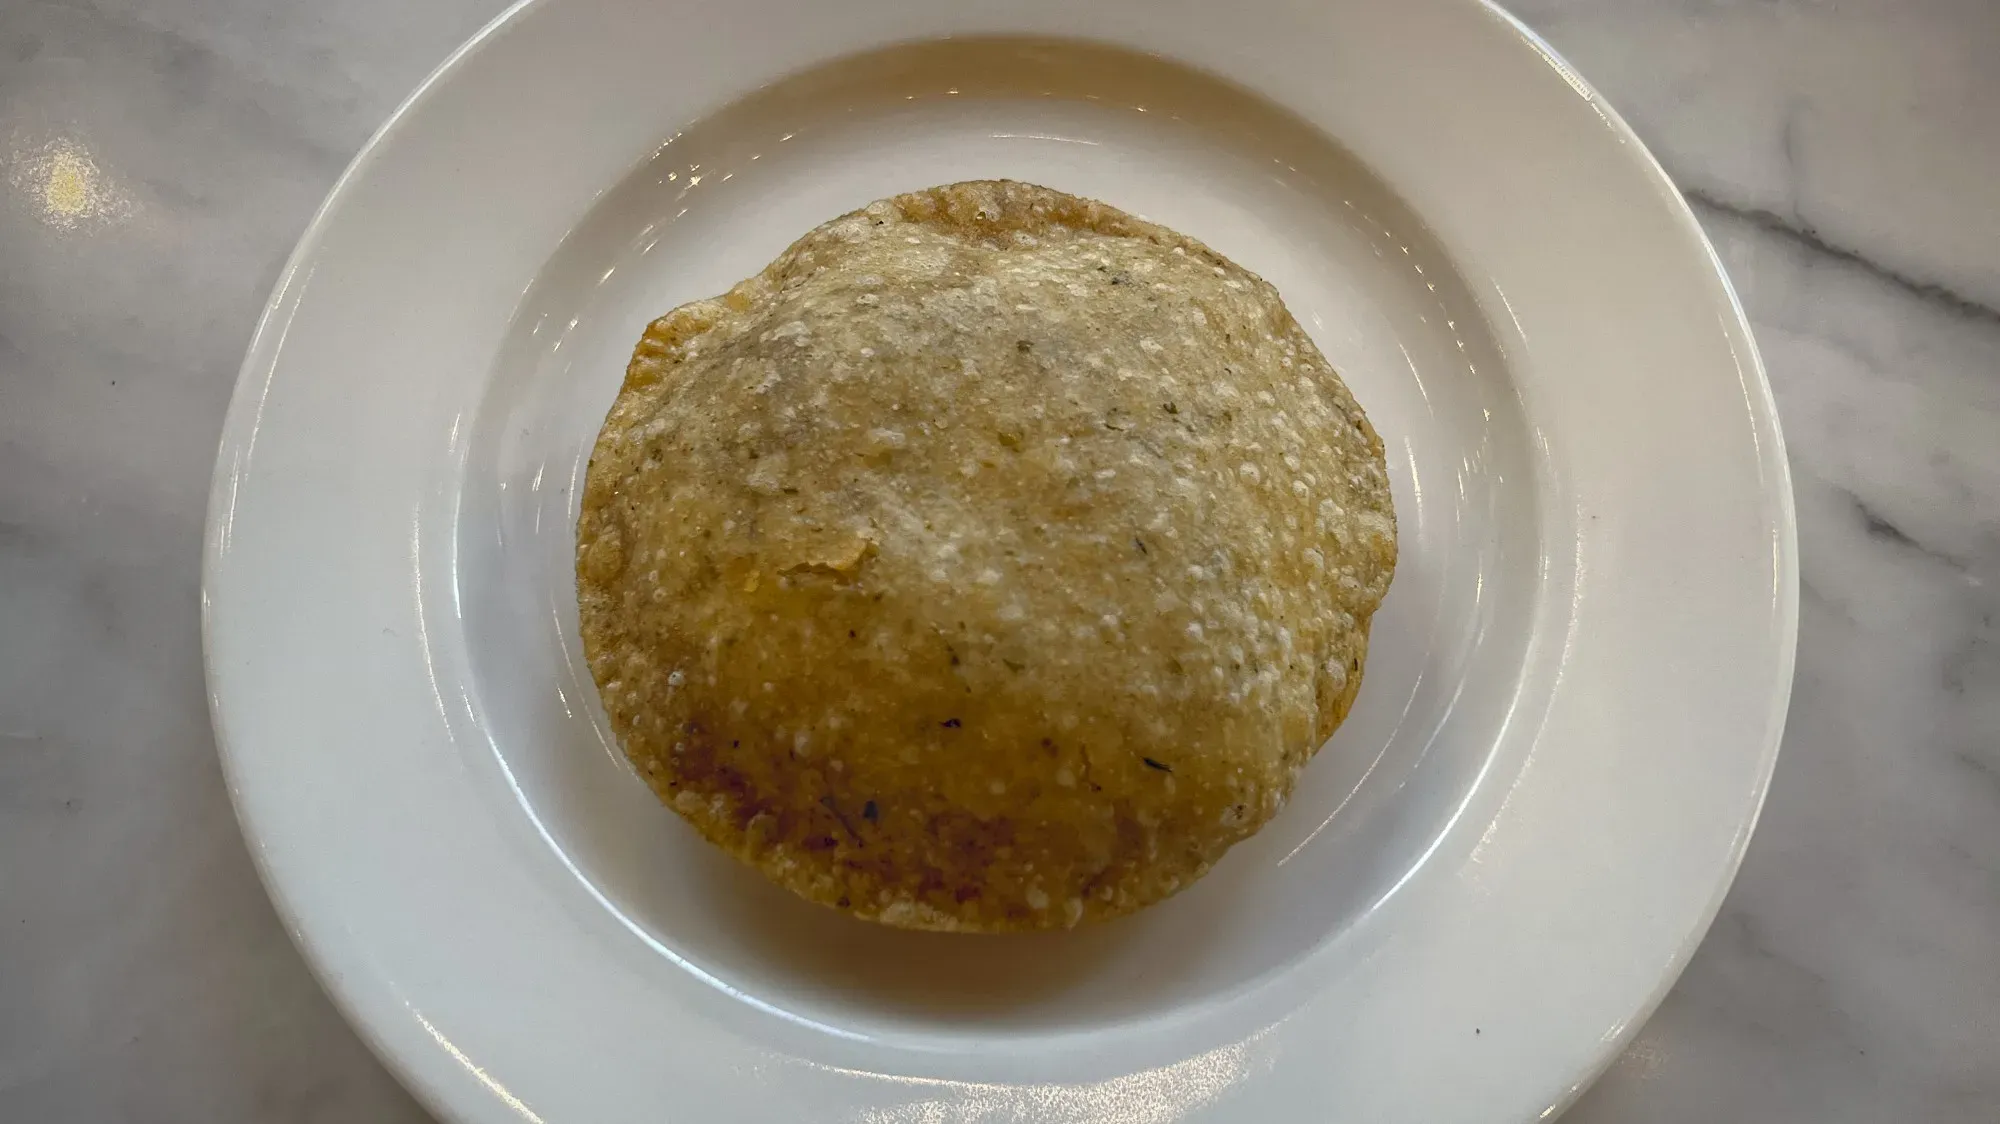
(157, 159)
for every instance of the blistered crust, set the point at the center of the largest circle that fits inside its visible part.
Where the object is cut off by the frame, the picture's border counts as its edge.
(993, 560)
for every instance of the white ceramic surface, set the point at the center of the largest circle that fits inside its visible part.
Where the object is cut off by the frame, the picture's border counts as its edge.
(1534, 824)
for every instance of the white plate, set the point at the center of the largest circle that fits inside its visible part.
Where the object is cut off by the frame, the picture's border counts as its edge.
(1492, 872)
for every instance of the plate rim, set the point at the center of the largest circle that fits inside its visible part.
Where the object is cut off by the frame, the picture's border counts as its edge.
(259, 367)
(1776, 460)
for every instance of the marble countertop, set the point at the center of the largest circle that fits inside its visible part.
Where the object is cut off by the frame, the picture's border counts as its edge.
(159, 157)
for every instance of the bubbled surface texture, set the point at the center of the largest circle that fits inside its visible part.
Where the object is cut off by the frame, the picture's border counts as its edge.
(993, 560)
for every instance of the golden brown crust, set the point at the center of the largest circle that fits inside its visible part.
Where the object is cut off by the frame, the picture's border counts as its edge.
(992, 560)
